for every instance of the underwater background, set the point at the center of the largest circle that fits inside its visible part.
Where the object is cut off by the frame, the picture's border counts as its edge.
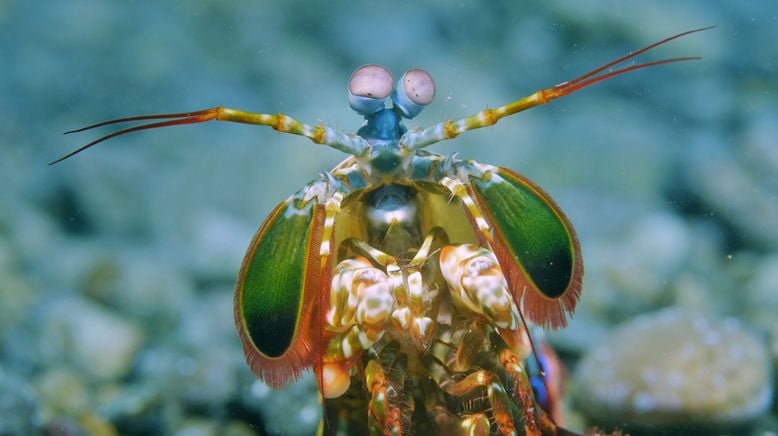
(117, 266)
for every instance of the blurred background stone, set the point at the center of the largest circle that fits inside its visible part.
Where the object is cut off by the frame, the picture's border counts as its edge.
(100, 343)
(675, 369)
(20, 406)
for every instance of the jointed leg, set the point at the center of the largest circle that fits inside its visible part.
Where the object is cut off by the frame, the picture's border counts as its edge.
(498, 400)
(384, 414)
(449, 362)
(521, 389)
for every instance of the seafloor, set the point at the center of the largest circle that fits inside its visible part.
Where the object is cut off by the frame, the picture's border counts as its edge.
(117, 267)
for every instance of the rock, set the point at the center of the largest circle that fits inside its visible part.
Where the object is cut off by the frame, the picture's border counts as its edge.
(208, 321)
(629, 272)
(762, 292)
(87, 424)
(217, 243)
(197, 427)
(18, 296)
(62, 425)
(96, 426)
(676, 368)
(142, 284)
(138, 408)
(197, 363)
(296, 411)
(63, 391)
(737, 196)
(18, 405)
(99, 342)
(760, 139)
(237, 428)
(211, 381)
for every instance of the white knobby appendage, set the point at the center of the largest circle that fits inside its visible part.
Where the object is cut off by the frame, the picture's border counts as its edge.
(361, 303)
(476, 282)
(360, 294)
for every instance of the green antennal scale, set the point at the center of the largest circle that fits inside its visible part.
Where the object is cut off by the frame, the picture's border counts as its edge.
(404, 277)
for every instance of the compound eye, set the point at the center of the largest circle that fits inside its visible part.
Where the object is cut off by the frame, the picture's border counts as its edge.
(368, 88)
(414, 90)
(418, 86)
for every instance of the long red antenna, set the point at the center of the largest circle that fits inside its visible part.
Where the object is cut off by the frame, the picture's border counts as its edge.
(488, 117)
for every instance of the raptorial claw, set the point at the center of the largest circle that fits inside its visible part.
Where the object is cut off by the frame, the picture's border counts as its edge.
(477, 282)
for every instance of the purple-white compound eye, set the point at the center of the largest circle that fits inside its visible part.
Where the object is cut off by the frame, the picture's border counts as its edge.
(419, 86)
(368, 88)
(414, 90)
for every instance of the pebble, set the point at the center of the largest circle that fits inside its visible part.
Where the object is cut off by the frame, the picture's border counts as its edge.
(17, 294)
(99, 342)
(676, 367)
(142, 285)
(736, 190)
(19, 404)
(762, 292)
(296, 412)
(63, 391)
(197, 427)
(629, 272)
(205, 427)
(135, 408)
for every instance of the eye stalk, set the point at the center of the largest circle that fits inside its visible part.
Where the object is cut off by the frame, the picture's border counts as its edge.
(414, 90)
(368, 88)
